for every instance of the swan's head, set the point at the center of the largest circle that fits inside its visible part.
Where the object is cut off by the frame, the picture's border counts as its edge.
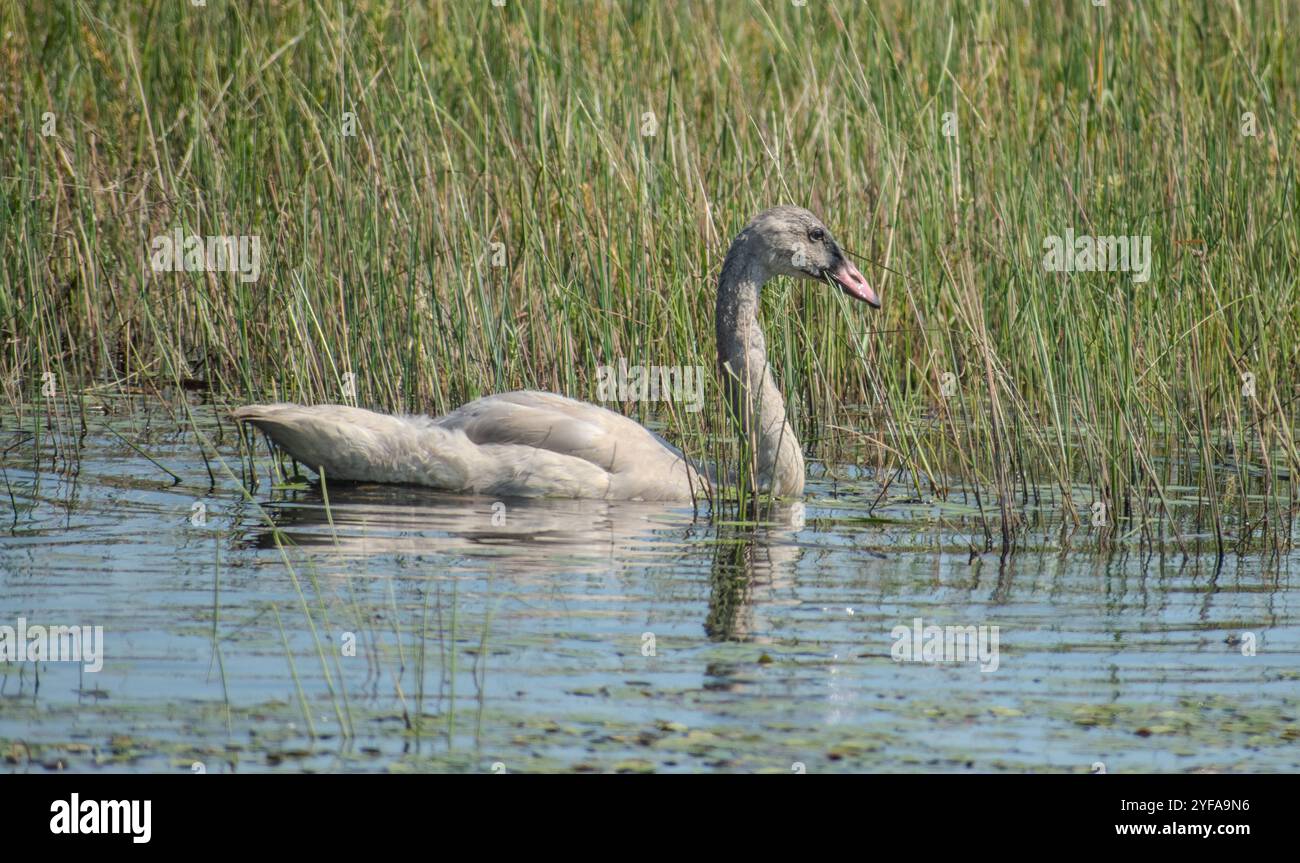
(795, 243)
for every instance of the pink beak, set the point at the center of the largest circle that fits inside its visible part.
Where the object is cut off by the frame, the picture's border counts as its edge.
(854, 283)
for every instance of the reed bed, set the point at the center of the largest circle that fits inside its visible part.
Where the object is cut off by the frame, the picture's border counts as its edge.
(453, 199)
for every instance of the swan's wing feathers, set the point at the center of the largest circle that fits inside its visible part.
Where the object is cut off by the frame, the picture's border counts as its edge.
(549, 422)
(635, 462)
(495, 421)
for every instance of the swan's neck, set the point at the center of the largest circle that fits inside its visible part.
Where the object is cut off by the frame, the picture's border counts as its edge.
(752, 394)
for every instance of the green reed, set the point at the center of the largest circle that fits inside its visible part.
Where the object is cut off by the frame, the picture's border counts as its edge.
(538, 189)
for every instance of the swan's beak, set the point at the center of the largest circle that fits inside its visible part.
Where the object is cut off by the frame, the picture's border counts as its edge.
(854, 283)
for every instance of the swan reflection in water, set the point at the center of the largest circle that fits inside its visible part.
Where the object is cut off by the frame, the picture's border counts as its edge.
(752, 565)
(516, 534)
(746, 565)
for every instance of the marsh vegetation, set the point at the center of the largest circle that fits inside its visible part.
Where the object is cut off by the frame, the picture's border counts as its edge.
(456, 199)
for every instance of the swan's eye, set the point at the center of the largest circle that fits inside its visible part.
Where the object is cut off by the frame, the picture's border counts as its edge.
(816, 235)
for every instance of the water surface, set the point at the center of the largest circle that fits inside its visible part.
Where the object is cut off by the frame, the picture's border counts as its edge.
(400, 629)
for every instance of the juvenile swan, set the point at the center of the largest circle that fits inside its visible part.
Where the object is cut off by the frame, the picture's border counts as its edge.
(536, 444)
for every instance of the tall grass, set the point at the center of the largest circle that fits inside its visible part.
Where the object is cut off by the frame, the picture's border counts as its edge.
(526, 125)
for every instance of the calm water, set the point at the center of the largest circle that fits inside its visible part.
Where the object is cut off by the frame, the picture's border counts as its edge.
(405, 630)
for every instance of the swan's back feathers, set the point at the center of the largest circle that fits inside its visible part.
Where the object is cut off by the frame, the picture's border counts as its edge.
(355, 444)
(521, 443)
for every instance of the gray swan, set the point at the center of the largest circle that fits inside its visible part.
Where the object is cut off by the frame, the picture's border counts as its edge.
(538, 444)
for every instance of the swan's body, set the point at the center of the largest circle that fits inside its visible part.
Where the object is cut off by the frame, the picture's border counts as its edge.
(536, 444)
(526, 444)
